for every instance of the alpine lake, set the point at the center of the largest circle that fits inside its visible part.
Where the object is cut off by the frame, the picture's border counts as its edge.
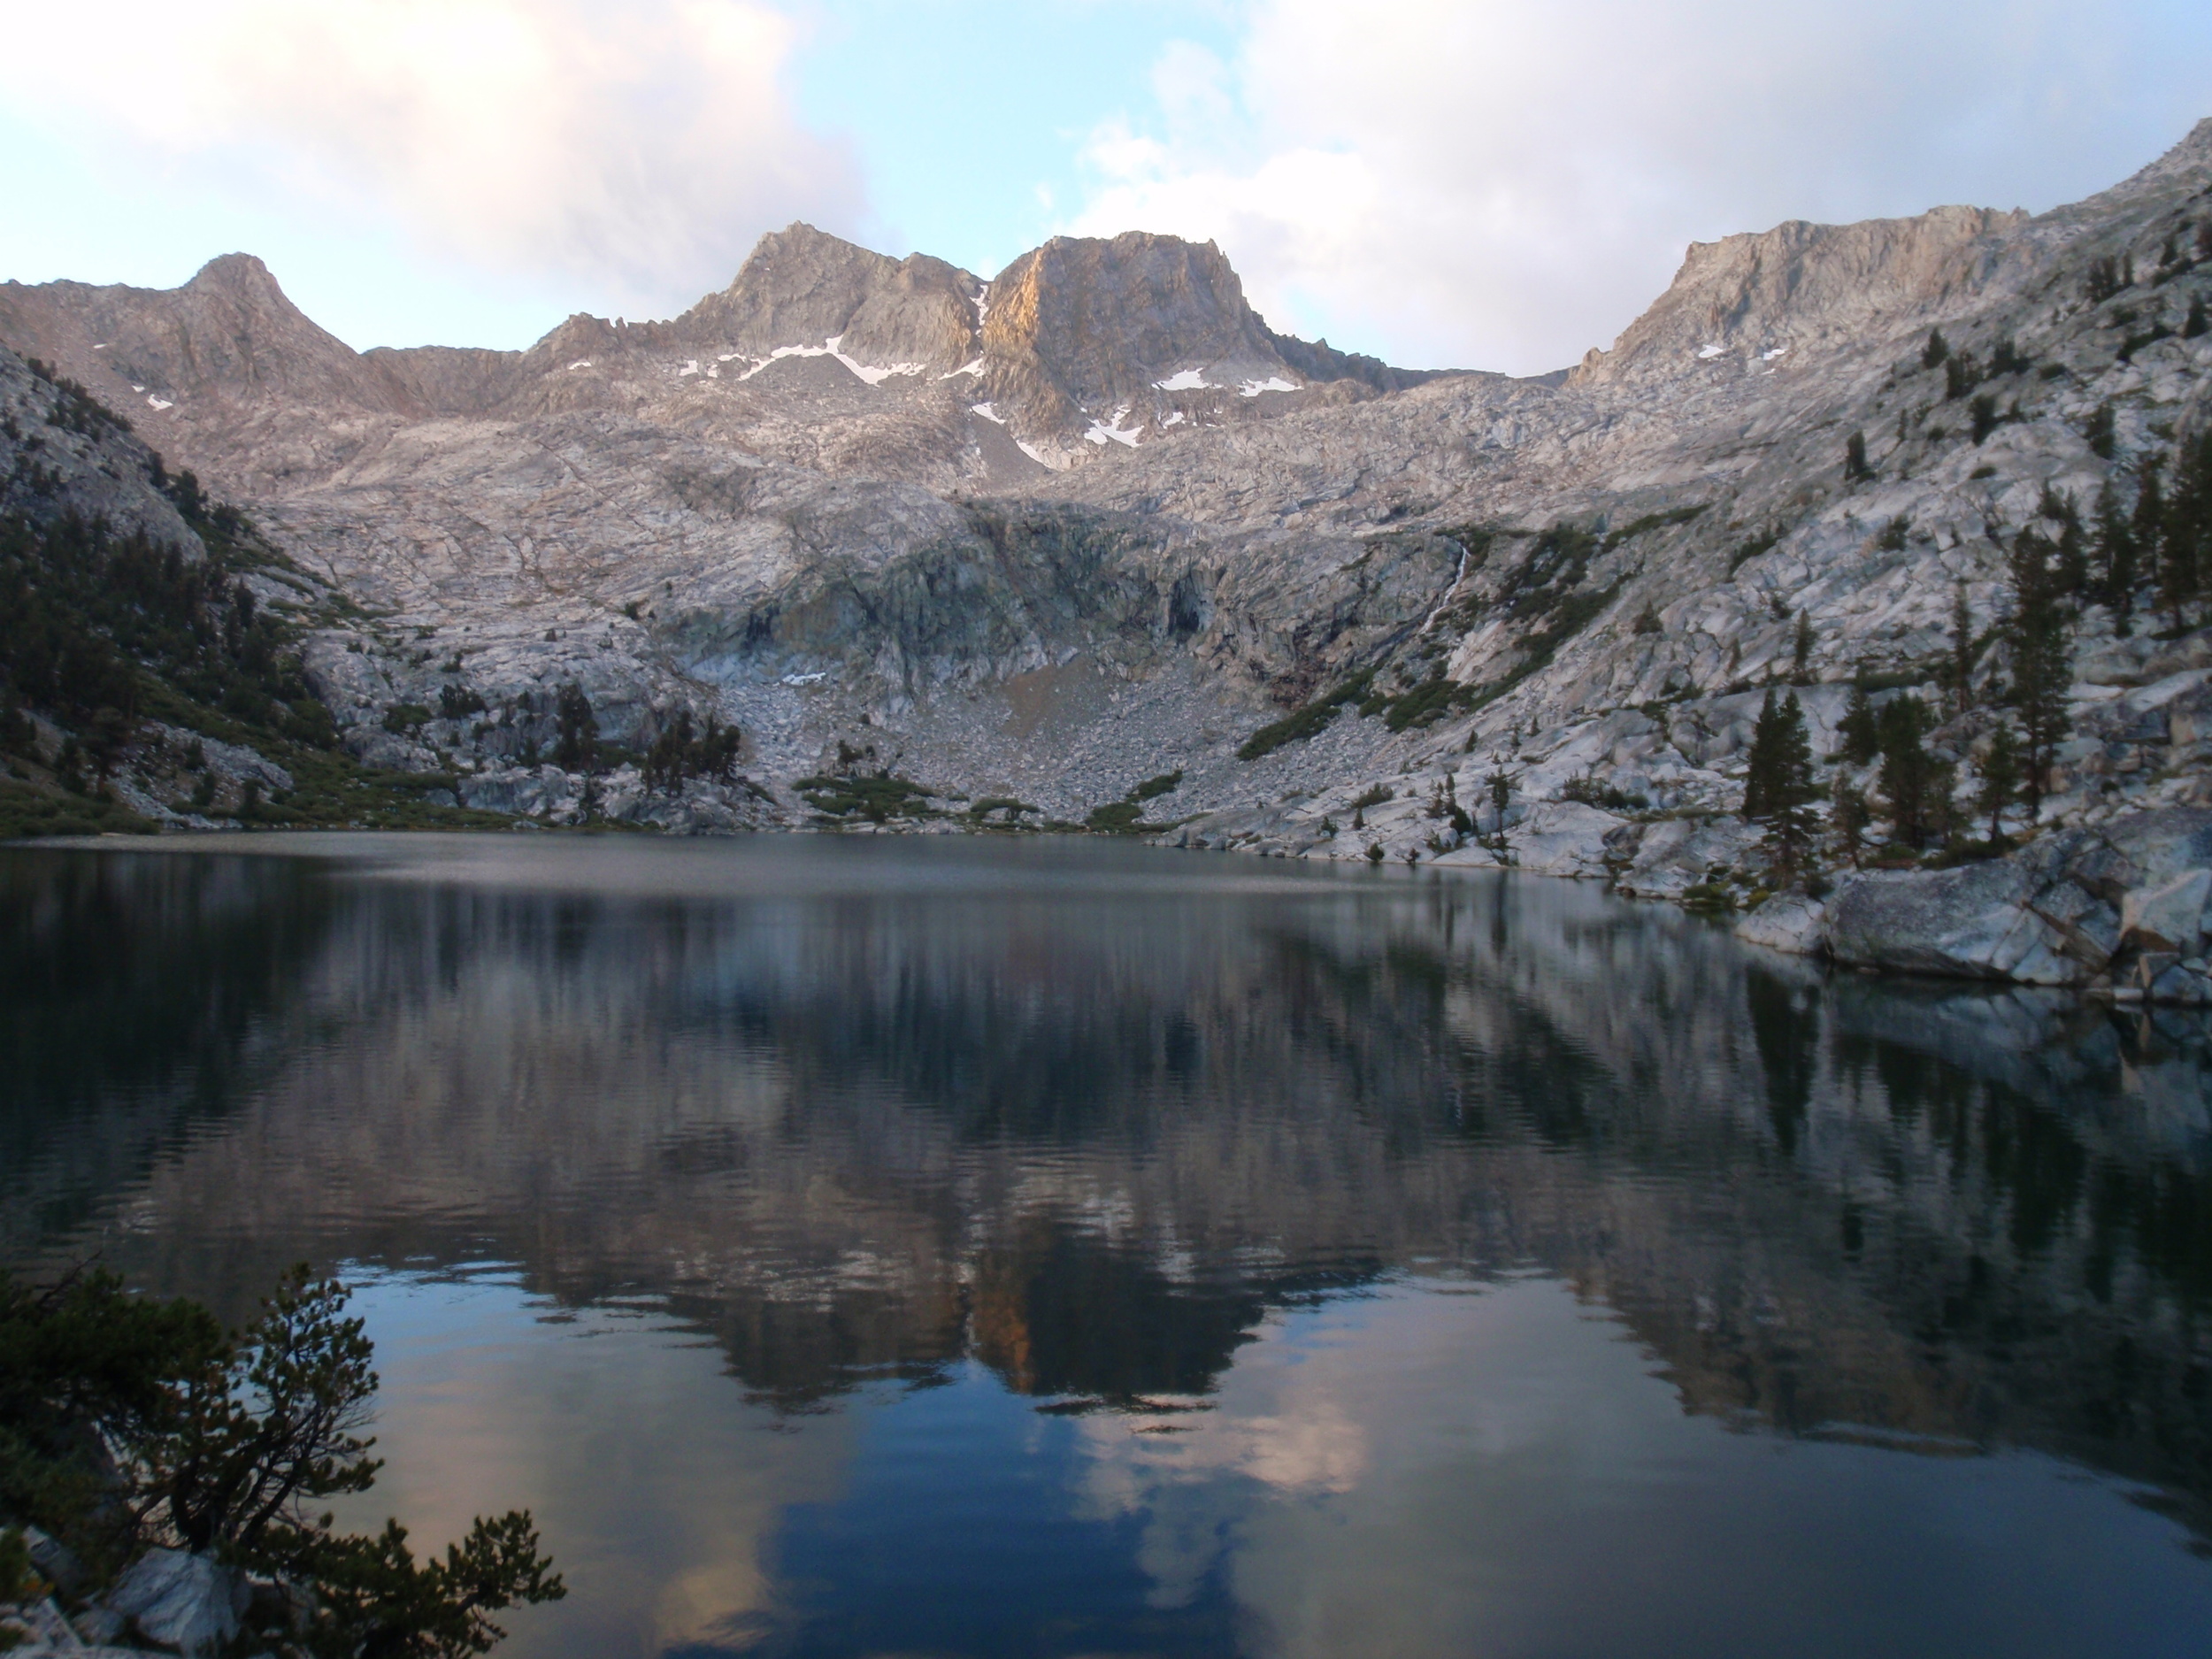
(855, 1246)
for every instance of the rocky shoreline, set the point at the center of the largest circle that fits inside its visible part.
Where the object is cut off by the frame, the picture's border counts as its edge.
(2118, 910)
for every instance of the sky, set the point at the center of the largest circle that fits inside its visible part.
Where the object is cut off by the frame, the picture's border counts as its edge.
(1495, 184)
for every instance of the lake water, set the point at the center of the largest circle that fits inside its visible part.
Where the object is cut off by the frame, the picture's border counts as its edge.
(893, 1246)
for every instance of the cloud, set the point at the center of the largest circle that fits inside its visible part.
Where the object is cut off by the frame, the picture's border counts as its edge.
(1500, 185)
(639, 147)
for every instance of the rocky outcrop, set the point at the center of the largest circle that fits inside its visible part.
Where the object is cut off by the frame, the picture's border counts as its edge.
(1747, 301)
(1089, 327)
(2120, 910)
(189, 1604)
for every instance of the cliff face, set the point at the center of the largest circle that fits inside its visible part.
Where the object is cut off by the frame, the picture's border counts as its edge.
(1806, 289)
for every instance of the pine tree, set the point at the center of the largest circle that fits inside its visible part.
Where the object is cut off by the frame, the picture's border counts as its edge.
(2101, 433)
(2116, 560)
(1982, 413)
(2073, 554)
(1859, 729)
(2000, 772)
(2039, 641)
(1758, 778)
(1961, 666)
(2196, 322)
(1933, 354)
(1779, 785)
(2148, 520)
(1801, 651)
(1854, 466)
(2187, 546)
(578, 747)
(1851, 820)
(1911, 778)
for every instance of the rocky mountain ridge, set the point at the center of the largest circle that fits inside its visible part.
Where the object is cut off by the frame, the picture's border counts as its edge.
(1090, 538)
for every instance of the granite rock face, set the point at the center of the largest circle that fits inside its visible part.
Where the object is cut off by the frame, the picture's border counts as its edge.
(189, 1604)
(2120, 909)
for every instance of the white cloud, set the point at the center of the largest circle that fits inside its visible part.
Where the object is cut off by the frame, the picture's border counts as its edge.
(1500, 185)
(637, 149)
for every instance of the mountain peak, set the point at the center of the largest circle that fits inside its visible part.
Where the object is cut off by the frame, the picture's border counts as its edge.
(1801, 287)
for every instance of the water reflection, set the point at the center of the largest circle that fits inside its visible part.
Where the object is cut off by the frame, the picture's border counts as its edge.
(1115, 1250)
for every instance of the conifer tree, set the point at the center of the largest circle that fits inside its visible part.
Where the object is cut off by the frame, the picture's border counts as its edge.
(2073, 554)
(1851, 820)
(1779, 785)
(2148, 520)
(2100, 432)
(1962, 664)
(1912, 782)
(2000, 772)
(1802, 650)
(2195, 324)
(1854, 466)
(2116, 560)
(1860, 731)
(2039, 641)
(577, 746)
(1759, 764)
(1933, 354)
(2187, 546)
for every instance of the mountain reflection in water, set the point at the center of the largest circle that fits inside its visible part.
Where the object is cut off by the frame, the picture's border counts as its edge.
(1139, 1252)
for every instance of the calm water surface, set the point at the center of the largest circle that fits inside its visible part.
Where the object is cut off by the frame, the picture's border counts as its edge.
(949, 1247)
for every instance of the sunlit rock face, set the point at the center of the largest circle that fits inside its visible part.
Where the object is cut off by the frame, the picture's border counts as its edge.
(1088, 1124)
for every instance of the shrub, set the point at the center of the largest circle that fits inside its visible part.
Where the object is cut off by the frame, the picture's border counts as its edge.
(1303, 722)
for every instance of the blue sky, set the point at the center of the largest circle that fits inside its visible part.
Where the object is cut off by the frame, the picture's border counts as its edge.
(1485, 183)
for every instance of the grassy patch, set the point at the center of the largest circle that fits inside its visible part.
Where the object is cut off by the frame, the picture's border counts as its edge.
(28, 811)
(1649, 522)
(877, 799)
(1745, 551)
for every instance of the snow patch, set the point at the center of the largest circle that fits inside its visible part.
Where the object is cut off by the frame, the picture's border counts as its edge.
(161, 402)
(1768, 357)
(1272, 383)
(580, 363)
(1185, 380)
(975, 368)
(1036, 455)
(1111, 429)
(874, 374)
(99, 347)
(988, 412)
(691, 366)
(804, 680)
(138, 388)
(1175, 419)
(1704, 352)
